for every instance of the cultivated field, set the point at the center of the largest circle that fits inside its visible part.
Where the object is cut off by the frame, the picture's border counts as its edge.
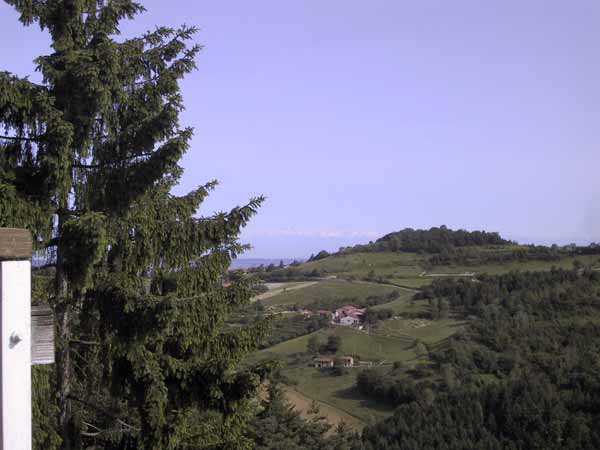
(338, 393)
(326, 290)
(497, 268)
(279, 288)
(385, 264)
(333, 414)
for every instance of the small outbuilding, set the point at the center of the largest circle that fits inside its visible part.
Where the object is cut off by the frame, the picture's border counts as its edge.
(323, 362)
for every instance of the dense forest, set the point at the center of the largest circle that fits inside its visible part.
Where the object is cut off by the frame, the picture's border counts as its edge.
(524, 375)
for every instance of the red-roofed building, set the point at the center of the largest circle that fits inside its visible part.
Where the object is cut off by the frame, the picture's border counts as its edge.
(349, 315)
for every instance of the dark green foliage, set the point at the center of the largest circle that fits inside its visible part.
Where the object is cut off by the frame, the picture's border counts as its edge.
(434, 240)
(84, 242)
(525, 374)
(372, 316)
(44, 408)
(88, 161)
(336, 371)
(388, 387)
(285, 328)
(440, 309)
(280, 427)
(420, 348)
(321, 255)
(522, 415)
(287, 274)
(333, 344)
(259, 289)
(313, 345)
(513, 291)
(474, 256)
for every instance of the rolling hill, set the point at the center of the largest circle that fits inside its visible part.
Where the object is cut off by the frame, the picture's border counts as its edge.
(385, 276)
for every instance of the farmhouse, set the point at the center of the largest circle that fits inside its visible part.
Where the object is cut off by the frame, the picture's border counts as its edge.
(323, 362)
(345, 361)
(348, 315)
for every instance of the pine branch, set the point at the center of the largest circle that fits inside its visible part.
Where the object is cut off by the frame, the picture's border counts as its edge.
(77, 341)
(114, 161)
(103, 411)
(16, 138)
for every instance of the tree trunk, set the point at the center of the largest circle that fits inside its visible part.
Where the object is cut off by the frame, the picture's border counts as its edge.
(63, 355)
(63, 375)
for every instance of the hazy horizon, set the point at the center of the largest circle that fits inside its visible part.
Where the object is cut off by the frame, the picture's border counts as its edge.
(358, 119)
(302, 246)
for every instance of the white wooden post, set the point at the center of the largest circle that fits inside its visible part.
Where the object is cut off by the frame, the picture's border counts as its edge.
(15, 341)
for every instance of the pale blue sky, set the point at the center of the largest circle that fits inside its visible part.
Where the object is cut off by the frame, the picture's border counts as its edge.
(357, 118)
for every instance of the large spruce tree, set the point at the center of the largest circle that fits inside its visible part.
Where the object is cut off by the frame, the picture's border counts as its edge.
(88, 160)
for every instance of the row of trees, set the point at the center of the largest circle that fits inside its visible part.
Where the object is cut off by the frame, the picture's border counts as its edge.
(285, 328)
(292, 273)
(388, 388)
(374, 316)
(331, 346)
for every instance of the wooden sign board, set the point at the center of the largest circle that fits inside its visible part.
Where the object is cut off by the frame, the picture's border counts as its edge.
(42, 335)
(15, 244)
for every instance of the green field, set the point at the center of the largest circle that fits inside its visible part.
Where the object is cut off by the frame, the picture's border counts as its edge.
(406, 268)
(334, 415)
(386, 264)
(392, 341)
(412, 283)
(498, 268)
(338, 392)
(328, 290)
(428, 331)
(370, 347)
(404, 305)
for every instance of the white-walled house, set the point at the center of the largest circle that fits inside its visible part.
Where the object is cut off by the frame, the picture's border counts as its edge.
(349, 320)
(349, 315)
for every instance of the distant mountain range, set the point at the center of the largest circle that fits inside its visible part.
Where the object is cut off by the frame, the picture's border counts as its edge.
(245, 263)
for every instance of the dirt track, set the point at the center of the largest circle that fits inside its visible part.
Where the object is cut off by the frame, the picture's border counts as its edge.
(278, 291)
